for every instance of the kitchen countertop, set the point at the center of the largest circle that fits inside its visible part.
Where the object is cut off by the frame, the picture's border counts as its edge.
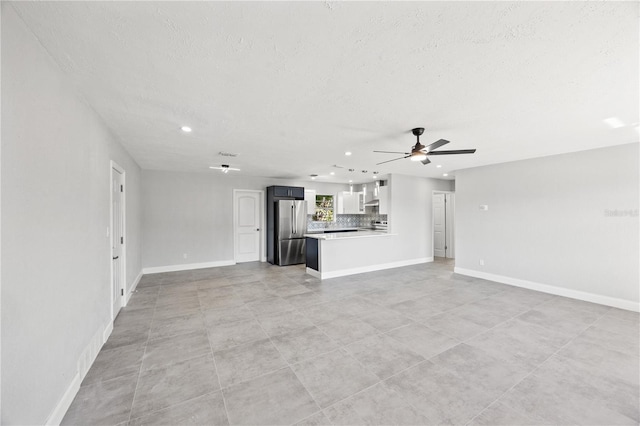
(327, 230)
(346, 235)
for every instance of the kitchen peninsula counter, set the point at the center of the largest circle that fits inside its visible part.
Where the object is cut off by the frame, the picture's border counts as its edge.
(335, 254)
(329, 235)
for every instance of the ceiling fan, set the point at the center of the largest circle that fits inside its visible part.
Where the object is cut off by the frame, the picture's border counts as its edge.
(420, 152)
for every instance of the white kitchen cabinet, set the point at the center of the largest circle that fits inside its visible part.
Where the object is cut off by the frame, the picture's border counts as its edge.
(360, 203)
(350, 203)
(383, 200)
(340, 203)
(310, 198)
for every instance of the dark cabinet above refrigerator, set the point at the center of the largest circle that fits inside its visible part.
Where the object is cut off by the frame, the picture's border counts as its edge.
(294, 192)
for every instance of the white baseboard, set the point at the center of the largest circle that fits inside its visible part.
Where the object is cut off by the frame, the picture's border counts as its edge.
(371, 268)
(106, 333)
(313, 273)
(84, 363)
(558, 291)
(133, 288)
(187, 266)
(55, 418)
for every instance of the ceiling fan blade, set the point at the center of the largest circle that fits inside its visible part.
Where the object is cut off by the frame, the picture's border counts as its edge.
(400, 158)
(458, 151)
(437, 144)
(393, 152)
(425, 161)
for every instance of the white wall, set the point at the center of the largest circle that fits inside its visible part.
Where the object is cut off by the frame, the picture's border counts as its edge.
(55, 214)
(547, 222)
(411, 213)
(193, 213)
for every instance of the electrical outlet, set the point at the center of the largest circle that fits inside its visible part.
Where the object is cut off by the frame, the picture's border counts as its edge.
(481, 262)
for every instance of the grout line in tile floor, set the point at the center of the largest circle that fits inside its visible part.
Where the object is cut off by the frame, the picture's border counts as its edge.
(285, 360)
(215, 366)
(372, 386)
(536, 368)
(146, 344)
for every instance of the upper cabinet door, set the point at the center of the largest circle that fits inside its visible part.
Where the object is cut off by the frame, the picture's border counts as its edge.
(310, 198)
(281, 191)
(383, 200)
(360, 203)
(297, 192)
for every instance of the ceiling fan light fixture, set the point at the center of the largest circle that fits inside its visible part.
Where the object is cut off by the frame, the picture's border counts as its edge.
(418, 156)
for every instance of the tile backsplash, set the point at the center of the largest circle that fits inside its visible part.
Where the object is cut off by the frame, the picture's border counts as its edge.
(346, 221)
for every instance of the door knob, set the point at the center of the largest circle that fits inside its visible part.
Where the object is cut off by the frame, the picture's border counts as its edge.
(257, 229)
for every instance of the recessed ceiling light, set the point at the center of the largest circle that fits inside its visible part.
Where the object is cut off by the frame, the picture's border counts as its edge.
(614, 122)
(332, 173)
(313, 178)
(185, 129)
(438, 166)
(375, 176)
(347, 153)
(445, 174)
(350, 181)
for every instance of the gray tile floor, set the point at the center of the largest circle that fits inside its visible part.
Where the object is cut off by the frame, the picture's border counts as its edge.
(261, 344)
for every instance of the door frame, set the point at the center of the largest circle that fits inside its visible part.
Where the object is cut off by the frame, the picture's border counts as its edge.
(262, 256)
(449, 232)
(123, 279)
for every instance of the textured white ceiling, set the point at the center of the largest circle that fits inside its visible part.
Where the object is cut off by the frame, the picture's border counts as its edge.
(291, 86)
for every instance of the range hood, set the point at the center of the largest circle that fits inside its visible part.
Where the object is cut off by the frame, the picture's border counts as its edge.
(375, 202)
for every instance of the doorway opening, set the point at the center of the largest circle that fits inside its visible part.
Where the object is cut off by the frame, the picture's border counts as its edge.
(118, 241)
(444, 224)
(248, 237)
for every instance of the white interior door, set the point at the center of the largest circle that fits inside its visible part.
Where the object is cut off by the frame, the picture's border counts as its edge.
(117, 239)
(439, 225)
(247, 225)
(450, 208)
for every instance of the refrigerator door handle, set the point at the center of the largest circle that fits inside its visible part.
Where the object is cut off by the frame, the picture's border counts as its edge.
(295, 219)
(293, 228)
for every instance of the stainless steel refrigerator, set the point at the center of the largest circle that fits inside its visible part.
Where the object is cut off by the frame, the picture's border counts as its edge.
(291, 225)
